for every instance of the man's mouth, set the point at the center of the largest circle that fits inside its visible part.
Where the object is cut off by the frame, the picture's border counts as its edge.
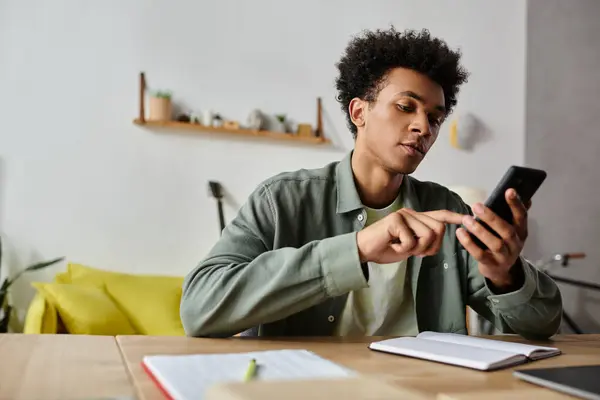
(413, 149)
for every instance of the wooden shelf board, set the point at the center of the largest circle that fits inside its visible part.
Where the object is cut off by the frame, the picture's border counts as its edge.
(245, 132)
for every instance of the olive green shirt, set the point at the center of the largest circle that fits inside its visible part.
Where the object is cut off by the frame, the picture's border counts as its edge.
(386, 305)
(286, 263)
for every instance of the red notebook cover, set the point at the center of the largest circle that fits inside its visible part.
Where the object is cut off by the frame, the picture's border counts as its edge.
(156, 381)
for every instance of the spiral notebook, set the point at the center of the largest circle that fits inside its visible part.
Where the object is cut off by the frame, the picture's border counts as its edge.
(187, 377)
(466, 351)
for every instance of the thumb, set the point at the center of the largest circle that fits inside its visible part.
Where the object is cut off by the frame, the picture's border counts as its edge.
(446, 216)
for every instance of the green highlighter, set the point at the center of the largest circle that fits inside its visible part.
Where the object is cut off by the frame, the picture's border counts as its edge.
(251, 371)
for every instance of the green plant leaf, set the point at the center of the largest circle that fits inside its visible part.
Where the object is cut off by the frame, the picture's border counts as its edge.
(5, 285)
(33, 267)
(4, 322)
(43, 264)
(165, 94)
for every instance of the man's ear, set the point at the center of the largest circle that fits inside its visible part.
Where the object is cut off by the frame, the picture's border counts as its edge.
(357, 110)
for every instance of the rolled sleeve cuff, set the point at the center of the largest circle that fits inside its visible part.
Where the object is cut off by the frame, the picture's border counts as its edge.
(518, 297)
(340, 264)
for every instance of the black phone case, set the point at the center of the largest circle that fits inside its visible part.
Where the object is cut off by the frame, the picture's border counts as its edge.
(526, 181)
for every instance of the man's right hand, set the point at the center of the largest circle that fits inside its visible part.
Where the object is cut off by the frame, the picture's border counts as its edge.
(403, 234)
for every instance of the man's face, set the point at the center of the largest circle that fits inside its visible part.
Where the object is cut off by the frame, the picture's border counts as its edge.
(400, 126)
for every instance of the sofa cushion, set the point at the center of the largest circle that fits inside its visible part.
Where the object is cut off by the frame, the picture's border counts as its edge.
(150, 302)
(85, 309)
(41, 316)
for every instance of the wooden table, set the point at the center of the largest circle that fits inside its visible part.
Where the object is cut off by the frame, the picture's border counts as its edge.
(81, 367)
(64, 367)
(426, 377)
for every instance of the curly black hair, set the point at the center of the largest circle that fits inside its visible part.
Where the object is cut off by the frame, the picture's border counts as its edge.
(370, 56)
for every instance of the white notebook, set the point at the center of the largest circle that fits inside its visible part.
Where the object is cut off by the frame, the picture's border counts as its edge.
(187, 377)
(462, 350)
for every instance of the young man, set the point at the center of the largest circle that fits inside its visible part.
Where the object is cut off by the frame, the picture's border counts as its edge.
(359, 247)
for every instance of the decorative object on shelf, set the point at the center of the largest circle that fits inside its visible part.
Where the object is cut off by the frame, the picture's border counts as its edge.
(282, 119)
(207, 117)
(196, 118)
(190, 117)
(5, 307)
(217, 121)
(231, 125)
(183, 118)
(259, 124)
(319, 130)
(304, 130)
(161, 106)
(273, 124)
(465, 131)
(291, 127)
(256, 120)
(287, 125)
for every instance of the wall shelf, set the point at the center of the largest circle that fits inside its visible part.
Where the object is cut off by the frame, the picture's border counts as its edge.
(196, 128)
(317, 138)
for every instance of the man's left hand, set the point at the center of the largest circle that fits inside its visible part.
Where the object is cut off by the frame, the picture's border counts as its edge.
(504, 251)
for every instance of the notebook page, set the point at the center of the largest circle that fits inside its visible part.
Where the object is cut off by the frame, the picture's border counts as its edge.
(516, 348)
(187, 377)
(449, 353)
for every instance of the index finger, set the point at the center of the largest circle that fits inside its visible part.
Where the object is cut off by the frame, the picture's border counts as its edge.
(447, 216)
(519, 212)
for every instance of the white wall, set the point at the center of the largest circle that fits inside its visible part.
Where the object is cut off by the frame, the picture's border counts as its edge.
(80, 180)
(562, 139)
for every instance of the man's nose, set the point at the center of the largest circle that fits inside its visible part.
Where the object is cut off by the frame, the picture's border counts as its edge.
(420, 125)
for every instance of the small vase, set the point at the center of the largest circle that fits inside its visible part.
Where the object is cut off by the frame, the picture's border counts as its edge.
(161, 109)
(207, 118)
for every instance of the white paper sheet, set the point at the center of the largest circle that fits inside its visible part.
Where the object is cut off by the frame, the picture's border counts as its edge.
(187, 377)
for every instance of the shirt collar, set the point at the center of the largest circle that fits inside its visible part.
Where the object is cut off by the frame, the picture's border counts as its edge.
(347, 195)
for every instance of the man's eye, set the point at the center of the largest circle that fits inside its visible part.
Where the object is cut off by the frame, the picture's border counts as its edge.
(404, 108)
(435, 121)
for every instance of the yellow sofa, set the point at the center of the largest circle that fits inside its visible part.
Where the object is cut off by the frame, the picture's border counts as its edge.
(87, 300)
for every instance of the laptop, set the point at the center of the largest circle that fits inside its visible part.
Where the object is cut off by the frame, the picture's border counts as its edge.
(578, 381)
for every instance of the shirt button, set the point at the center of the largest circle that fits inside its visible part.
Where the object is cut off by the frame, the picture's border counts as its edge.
(330, 318)
(360, 217)
(445, 265)
(495, 301)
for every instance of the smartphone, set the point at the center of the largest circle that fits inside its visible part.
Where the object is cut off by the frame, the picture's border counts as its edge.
(526, 181)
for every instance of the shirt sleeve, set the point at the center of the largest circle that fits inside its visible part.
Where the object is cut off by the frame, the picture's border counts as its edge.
(534, 310)
(244, 282)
